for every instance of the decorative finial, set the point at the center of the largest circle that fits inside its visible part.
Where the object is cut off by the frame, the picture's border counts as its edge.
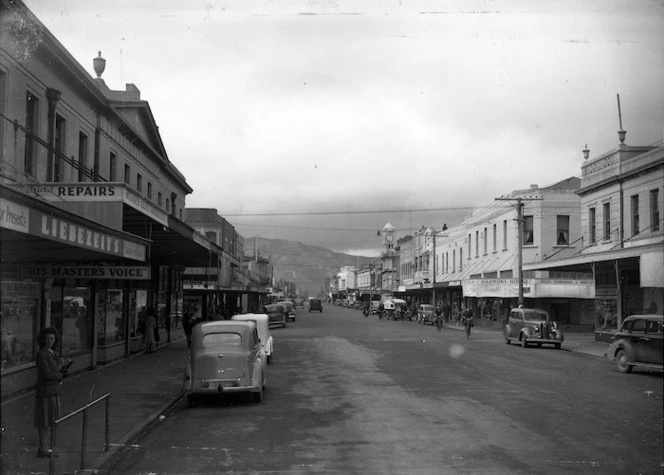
(99, 64)
(586, 152)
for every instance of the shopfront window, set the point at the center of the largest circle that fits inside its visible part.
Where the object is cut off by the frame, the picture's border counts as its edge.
(19, 304)
(70, 315)
(110, 319)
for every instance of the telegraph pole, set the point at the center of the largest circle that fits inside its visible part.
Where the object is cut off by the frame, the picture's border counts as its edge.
(519, 220)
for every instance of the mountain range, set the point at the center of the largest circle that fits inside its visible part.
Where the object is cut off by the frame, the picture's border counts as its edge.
(305, 265)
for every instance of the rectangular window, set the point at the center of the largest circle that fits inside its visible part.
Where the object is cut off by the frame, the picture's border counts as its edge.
(168, 203)
(159, 198)
(486, 241)
(562, 230)
(495, 238)
(60, 138)
(149, 190)
(447, 262)
(31, 128)
(607, 221)
(504, 235)
(470, 245)
(528, 234)
(454, 260)
(461, 258)
(591, 225)
(127, 174)
(82, 156)
(477, 244)
(635, 215)
(113, 167)
(654, 210)
(139, 183)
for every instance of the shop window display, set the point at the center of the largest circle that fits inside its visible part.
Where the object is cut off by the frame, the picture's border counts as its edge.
(18, 317)
(69, 314)
(110, 317)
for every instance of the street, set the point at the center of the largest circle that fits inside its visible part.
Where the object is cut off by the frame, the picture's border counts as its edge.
(349, 394)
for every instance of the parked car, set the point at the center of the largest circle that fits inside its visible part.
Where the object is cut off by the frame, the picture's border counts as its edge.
(226, 357)
(315, 304)
(263, 326)
(425, 313)
(299, 303)
(275, 314)
(532, 326)
(639, 343)
(289, 310)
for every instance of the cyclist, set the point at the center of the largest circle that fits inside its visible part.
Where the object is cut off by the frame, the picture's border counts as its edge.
(438, 316)
(467, 320)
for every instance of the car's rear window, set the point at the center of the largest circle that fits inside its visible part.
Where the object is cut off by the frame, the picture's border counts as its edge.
(536, 316)
(216, 339)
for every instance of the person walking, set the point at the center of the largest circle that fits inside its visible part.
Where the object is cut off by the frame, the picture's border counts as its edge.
(51, 370)
(150, 330)
(188, 325)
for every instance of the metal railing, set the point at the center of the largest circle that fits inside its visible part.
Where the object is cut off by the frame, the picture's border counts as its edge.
(84, 430)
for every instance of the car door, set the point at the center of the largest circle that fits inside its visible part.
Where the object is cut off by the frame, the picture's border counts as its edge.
(653, 346)
(638, 339)
(514, 324)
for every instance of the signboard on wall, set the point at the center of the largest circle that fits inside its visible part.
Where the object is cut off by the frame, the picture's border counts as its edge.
(86, 272)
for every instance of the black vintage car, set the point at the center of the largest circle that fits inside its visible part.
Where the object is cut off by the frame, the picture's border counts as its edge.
(315, 304)
(275, 314)
(639, 343)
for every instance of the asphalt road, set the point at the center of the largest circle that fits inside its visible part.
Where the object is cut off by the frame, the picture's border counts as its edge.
(348, 394)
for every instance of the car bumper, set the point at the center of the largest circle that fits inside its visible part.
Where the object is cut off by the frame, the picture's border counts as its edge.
(544, 341)
(223, 387)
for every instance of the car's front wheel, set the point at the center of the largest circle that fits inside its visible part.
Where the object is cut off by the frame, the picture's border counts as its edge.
(524, 342)
(191, 400)
(622, 362)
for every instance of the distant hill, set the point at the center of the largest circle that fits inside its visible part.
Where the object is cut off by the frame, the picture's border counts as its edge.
(307, 266)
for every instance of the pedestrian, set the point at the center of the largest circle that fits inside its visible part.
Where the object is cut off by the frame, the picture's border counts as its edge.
(150, 331)
(467, 320)
(188, 325)
(51, 370)
(381, 309)
(438, 313)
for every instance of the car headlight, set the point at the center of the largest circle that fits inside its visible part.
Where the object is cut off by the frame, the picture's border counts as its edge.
(535, 328)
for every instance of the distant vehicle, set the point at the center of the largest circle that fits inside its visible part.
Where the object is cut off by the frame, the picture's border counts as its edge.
(532, 326)
(263, 326)
(639, 343)
(298, 303)
(392, 304)
(315, 304)
(425, 314)
(275, 313)
(289, 309)
(241, 370)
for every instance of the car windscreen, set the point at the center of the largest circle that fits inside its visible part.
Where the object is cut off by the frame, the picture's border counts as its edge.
(211, 340)
(534, 316)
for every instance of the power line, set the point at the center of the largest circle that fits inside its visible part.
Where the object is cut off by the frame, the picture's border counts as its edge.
(325, 213)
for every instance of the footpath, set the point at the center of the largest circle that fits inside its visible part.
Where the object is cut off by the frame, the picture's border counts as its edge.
(143, 388)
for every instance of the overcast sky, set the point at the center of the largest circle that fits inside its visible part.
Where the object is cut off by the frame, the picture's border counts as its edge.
(278, 107)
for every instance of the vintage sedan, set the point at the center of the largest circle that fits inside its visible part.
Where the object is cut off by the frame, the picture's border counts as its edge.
(532, 326)
(275, 314)
(263, 326)
(639, 343)
(289, 309)
(226, 357)
(315, 304)
(425, 314)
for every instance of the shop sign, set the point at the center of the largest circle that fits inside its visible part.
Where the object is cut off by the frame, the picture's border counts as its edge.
(14, 216)
(86, 272)
(561, 288)
(197, 286)
(455, 283)
(492, 287)
(606, 291)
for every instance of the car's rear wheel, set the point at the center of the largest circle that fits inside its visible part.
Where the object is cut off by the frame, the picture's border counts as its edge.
(258, 396)
(622, 362)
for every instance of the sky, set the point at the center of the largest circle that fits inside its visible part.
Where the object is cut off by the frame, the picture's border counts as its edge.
(321, 121)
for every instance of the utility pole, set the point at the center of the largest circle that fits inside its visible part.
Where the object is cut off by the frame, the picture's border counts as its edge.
(519, 220)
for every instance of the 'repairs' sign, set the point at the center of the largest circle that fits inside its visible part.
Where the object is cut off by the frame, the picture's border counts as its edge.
(86, 272)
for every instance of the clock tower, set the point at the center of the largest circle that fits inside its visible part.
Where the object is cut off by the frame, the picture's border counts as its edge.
(388, 237)
(388, 260)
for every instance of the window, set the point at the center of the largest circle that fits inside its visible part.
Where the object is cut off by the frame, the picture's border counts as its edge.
(469, 245)
(212, 236)
(31, 128)
(495, 237)
(454, 260)
(477, 243)
(562, 230)
(112, 167)
(127, 174)
(591, 225)
(139, 183)
(60, 137)
(635, 215)
(654, 210)
(504, 235)
(486, 241)
(607, 220)
(82, 156)
(168, 203)
(447, 262)
(528, 235)
(159, 198)
(460, 258)
(149, 190)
